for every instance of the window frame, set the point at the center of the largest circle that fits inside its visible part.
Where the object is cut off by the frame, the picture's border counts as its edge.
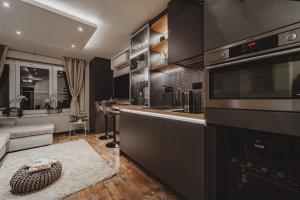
(52, 82)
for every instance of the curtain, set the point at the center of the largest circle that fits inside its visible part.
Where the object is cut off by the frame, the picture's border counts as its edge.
(3, 53)
(75, 69)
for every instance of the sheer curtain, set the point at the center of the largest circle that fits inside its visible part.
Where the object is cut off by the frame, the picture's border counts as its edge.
(3, 53)
(75, 69)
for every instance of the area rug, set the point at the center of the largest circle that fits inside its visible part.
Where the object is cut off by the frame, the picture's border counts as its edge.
(82, 168)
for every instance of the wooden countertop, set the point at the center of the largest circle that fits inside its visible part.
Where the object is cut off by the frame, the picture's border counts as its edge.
(180, 115)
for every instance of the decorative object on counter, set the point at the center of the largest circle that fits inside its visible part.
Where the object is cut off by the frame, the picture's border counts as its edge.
(26, 180)
(52, 105)
(14, 111)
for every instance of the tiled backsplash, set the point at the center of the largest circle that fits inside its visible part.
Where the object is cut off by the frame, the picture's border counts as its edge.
(179, 78)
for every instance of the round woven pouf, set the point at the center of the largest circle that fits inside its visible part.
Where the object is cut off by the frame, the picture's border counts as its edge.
(24, 181)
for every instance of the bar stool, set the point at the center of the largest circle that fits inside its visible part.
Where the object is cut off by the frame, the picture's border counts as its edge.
(105, 107)
(114, 143)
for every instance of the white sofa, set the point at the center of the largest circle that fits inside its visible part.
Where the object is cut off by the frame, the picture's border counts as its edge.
(24, 136)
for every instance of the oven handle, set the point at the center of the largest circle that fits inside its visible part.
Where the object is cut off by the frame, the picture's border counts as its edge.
(279, 53)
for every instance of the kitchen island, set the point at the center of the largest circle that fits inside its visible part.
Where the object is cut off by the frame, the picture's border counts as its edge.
(168, 144)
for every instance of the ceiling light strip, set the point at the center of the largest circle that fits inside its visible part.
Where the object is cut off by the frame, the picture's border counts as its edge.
(64, 11)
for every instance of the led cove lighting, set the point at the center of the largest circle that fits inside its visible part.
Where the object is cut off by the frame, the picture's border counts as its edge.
(6, 4)
(18, 32)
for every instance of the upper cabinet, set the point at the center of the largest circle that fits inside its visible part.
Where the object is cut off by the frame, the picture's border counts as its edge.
(185, 21)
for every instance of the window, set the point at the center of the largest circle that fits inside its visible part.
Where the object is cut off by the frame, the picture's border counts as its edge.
(4, 87)
(38, 83)
(35, 86)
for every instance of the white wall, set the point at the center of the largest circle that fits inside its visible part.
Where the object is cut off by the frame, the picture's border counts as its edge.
(61, 121)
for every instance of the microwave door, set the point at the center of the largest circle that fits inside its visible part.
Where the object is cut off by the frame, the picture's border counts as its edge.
(264, 84)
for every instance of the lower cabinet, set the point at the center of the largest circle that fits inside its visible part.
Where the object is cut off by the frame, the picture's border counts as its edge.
(141, 139)
(129, 133)
(171, 150)
(184, 158)
(150, 144)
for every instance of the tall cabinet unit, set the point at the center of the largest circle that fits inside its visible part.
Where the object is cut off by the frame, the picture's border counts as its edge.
(101, 88)
(140, 67)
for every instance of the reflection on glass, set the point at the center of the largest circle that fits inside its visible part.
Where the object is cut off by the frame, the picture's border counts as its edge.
(264, 79)
(34, 84)
(63, 93)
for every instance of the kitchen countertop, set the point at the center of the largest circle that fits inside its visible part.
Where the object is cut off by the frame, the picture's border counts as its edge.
(189, 117)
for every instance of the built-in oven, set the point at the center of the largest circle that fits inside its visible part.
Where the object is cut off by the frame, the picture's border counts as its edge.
(261, 73)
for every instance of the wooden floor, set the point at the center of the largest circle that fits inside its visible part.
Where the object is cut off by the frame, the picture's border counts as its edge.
(129, 184)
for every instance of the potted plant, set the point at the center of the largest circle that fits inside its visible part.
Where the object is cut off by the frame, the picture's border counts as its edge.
(14, 111)
(52, 105)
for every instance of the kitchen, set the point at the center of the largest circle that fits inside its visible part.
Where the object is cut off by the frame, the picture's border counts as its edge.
(177, 99)
(231, 143)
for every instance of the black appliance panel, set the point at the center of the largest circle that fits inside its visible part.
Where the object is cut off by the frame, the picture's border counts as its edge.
(257, 165)
(229, 21)
(271, 78)
(121, 87)
(254, 46)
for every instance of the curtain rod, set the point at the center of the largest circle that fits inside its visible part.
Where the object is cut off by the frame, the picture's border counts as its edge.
(34, 53)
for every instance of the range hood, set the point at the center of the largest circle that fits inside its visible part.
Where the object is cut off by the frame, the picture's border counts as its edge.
(195, 62)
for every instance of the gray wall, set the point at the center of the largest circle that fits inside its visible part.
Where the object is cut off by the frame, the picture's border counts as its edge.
(181, 79)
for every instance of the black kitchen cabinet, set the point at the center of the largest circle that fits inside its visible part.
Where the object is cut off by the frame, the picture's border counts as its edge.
(100, 88)
(184, 158)
(129, 134)
(171, 150)
(141, 139)
(185, 30)
(150, 144)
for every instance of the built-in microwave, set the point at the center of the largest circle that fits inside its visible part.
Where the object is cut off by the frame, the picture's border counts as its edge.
(261, 73)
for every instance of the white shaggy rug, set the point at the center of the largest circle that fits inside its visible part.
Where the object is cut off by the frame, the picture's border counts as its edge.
(82, 167)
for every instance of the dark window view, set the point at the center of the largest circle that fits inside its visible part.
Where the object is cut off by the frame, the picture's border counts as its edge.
(4, 87)
(270, 78)
(63, 93)
(34, 85)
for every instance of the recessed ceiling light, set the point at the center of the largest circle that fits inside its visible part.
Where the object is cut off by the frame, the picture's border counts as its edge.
(73, 46)
(6, 4)
(80, 29)
(18, 32)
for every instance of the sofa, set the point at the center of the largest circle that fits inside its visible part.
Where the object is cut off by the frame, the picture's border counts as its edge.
(15, 137)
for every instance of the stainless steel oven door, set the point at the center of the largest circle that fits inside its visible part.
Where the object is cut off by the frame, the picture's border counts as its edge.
(265, 82)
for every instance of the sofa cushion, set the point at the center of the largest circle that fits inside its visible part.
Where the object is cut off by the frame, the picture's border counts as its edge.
(8, 122)
(31, 130)
(4, 138)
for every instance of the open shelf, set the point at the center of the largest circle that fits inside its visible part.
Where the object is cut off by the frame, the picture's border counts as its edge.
(160, 47)
(160, 67)
(161, 25)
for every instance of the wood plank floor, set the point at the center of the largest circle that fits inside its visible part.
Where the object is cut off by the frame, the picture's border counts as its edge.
(130, 183)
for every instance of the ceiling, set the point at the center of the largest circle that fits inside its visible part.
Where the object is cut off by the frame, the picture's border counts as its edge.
(50, 27)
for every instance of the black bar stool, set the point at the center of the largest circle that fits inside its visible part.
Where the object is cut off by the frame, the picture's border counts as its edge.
(106, 108)
(114, 143)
